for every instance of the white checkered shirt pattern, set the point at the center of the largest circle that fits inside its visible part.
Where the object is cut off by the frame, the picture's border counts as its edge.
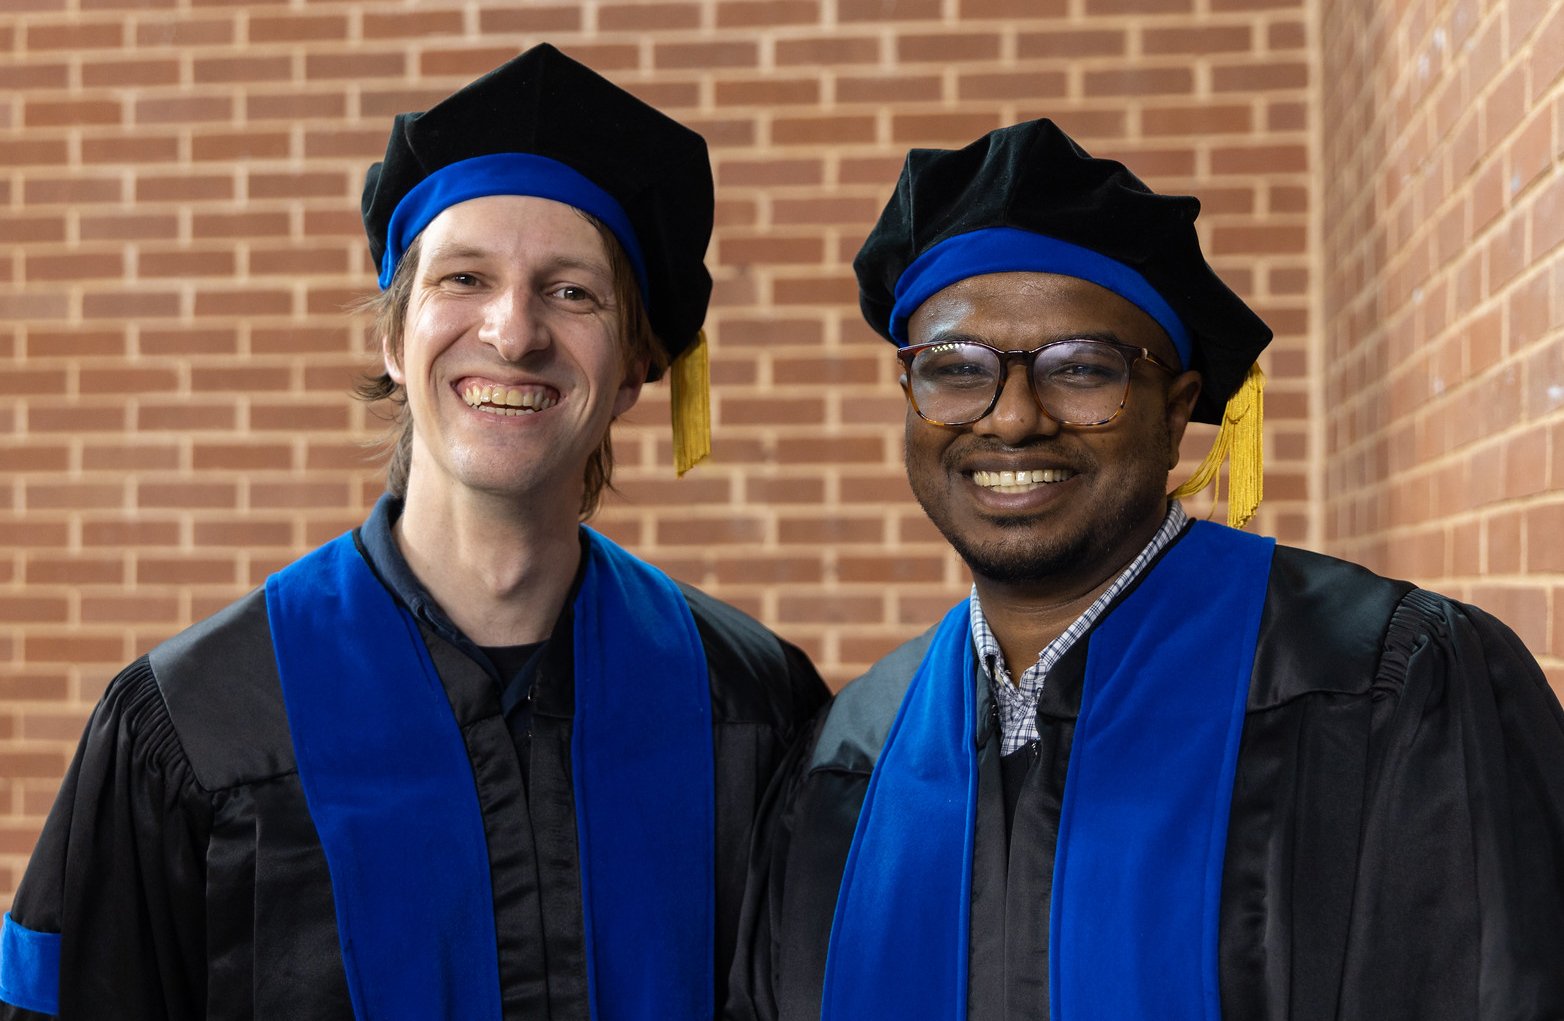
(1017, 703)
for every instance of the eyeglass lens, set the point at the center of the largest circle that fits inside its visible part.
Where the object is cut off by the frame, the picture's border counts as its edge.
(1077, 382)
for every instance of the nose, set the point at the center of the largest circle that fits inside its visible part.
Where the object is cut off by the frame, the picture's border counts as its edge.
(513, 323)
(1016, 417)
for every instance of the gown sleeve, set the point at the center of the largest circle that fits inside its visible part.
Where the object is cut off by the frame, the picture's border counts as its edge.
(1459, 894)
(115, 884)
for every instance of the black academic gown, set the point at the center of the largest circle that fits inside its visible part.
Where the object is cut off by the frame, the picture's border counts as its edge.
(182, 868)
(1396, 841)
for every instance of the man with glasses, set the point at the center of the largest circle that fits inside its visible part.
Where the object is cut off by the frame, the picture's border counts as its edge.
(1150, 768)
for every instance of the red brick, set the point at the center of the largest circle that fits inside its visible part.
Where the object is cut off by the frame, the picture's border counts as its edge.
(411, 24)
(130, 149)
(138, 532)
(71, 419)
(194, 570)
(971, 10)
(816, 130)
(829, 608)
(1197, 41)
(829, 50)
(298, 106)
(74, 191)
(120, 305)
(353, 66)
(239, 225)
(732, 172)
(945, 47)
(765, 13)
(952, 129)
(187, 340)
(229, 70)
(883, 11)
(539, 18)
(185, 188)
(1265, 77)
(73, 267)
(95, 73)
(122, 457)
(704, 55)
(770, 91)
(129, 227)
(74, 570)
(1262, 159)
(185, 496)
(1114, 7)
(198, 263)
(19, 76)
(184, 110)
(1286, 35)
(39, 113)
(265, 28)
(35, 457)
(39, 151)
(888, 88)
(710, 531)
(647, 16)
(1072, 43)
(1151, 81)
(185, 31)
(74, 36)
(1023, 85)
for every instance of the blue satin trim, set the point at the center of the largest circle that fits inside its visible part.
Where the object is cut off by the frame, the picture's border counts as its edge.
(1143, 827)
(393, 799)
(1143, 830)
(643, 767)
(902, 907)
(390, 789)
(29, 968)
(1011, 250)
(504, 173)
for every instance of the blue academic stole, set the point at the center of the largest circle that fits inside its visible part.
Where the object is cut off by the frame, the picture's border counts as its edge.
(390, 788)
(1143, 826)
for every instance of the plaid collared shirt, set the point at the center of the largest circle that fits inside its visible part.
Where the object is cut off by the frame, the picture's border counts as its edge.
(1017, 703)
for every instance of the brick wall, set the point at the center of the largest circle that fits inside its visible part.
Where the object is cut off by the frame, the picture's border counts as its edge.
(1443, 218)
(178, 195)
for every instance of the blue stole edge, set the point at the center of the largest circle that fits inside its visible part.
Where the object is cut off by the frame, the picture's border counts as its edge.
(1177, 871)
(649, 904)
(392, 796)
(29, 967)
(868, 975)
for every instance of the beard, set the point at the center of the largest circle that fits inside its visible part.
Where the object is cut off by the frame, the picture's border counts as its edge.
(1025, 552)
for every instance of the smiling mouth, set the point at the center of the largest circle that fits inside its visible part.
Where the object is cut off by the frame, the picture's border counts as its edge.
(1020, 481)
(508, 400)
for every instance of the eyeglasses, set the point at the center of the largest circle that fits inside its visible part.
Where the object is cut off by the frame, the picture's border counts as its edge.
(1078, 382)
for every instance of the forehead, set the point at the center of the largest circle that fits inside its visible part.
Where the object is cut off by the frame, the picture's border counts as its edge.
(1025, 309)
(515, 226)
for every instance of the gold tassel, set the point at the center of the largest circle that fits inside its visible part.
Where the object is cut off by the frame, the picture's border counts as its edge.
(1241, 435)
(690, 397)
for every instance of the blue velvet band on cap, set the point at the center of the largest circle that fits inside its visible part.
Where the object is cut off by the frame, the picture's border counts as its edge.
(1011, 250)
(504, 173)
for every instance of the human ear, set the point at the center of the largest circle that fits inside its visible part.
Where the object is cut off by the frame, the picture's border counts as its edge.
(389, 359)
(1182, 394)
(630, 387)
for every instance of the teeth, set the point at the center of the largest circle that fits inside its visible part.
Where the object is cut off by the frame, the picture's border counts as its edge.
(507, 400)
(1019, 481)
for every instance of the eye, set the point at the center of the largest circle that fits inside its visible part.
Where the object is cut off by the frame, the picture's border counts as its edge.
(462, 279)
(571, 292)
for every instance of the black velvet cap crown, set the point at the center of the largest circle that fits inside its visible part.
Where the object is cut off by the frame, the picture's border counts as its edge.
(546, 104)
(1034, 177)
